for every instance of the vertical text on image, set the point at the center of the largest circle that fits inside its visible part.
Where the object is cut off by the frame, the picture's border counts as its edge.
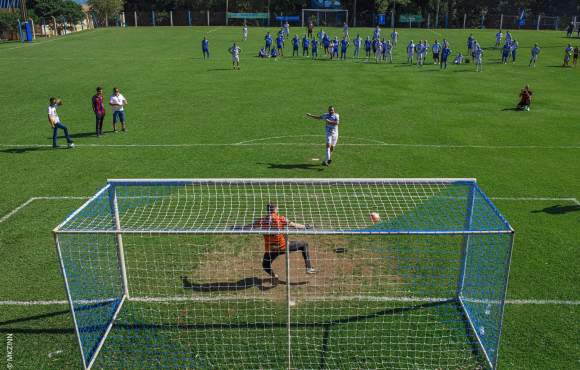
(9, 350)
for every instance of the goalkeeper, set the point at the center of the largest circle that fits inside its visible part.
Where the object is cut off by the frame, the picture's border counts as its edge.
(277, 244)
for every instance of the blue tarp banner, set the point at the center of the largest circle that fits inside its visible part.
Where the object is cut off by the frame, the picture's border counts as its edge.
(289, 18)
(326, 4)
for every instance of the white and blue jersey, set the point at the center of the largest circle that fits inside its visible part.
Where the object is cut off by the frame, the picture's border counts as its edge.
(331, 129)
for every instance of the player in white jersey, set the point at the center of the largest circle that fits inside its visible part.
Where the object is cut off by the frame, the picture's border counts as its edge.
(332, 119)
(410, 51)
(379, 51)
(478, 57)
(388, 52)
(345, 30)
(245, 32)
(235, 52)
(394, 37)
(498, 37)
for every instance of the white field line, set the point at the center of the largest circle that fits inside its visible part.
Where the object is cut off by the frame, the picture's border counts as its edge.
(557, 302)
(266, 142)
(20, 207)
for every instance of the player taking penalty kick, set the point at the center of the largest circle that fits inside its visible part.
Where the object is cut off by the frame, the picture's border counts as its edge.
(332, 120)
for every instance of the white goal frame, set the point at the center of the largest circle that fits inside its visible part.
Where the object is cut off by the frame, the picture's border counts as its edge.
(71, 227)
(323, 11)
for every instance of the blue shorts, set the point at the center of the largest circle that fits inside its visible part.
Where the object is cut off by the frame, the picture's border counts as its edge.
(120, 115)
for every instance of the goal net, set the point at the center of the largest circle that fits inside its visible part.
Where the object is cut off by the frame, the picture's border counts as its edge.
(324, 17)
(173, 273)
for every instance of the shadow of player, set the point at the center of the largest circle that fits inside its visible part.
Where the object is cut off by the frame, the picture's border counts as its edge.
(293, 166)
(559, 209)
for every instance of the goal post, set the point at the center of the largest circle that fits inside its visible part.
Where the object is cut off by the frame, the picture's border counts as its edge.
(325, 17)
(173, 273)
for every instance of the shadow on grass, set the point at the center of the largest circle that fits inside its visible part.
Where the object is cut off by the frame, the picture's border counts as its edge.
(513, 109)
(219, 69)
(558, 209)
(22, 150)
(293, 166)
(77, 135)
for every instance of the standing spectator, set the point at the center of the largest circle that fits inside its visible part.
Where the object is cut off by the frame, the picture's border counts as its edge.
(535, 52)
(394, 37)
(436, 50)
(56, 124)
(118, 102)
(205, 47)
(498, 37)
(310, 29)
(410, 52)
(505, 52)
(368, 48)
(268, 40)
(514, 49)
(570, 29)
(445, 52)
(343, 47)
(567, 55)
(245, 32)
(478, 57)
(314, 48)
(99, 110)
(305, 45)
(357, 44)
(295, 45)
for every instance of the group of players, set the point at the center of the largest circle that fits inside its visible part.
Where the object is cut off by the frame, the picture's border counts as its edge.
(382, 51)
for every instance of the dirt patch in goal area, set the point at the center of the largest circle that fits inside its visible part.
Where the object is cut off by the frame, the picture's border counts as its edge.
(346, 266)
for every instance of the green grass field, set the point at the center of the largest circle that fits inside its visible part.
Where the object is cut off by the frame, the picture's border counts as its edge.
(193, 118)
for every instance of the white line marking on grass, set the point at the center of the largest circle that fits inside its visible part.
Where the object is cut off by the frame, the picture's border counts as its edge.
(557, 302)
(28, 45)
(532, 199)
(257, 142)
(20, 207)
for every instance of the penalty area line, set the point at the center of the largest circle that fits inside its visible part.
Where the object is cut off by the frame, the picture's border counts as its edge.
(23, 205)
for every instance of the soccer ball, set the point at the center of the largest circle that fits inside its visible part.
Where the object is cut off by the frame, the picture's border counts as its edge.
(374, 216)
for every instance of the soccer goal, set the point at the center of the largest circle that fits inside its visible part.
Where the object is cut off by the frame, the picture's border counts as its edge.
(325, 17)
(408, 273)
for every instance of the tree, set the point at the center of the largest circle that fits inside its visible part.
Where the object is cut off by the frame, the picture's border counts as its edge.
(106, 9)
(8, 22)
(58, 9)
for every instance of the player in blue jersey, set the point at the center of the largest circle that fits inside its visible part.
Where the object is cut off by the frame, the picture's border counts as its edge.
(508, 37)
(514, 49)
(305, 45)
(274, 54)
(314, 44)
(326, 44)
(268, 40)
(470, 40)
(332, 120)
(458, 59)
(343, 47)
(205, 47)
(505, 52)
(534, 58)
(280, 45)
(419, 48)
(335, 46)
(368, 48)
(445, 52)
(295, 45)
(357, 43)
(568, 55)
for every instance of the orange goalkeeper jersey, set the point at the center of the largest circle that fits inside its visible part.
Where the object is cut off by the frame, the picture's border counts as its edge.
(273, 222)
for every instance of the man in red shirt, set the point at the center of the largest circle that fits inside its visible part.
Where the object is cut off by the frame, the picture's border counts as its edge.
(525, 99)
(99, 109)
(277, 244)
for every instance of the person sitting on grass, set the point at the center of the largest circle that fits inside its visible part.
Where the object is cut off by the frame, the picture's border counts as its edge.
(274, 54)
(262, 53)
(525, 99)
(458, 59)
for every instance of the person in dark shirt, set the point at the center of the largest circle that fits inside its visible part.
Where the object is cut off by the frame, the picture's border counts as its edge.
(99, 110)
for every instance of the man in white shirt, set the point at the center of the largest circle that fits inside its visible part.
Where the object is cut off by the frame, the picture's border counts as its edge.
(245, 32)
(332, 120)
(117, 103)
(55, 123)
(235, 52)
